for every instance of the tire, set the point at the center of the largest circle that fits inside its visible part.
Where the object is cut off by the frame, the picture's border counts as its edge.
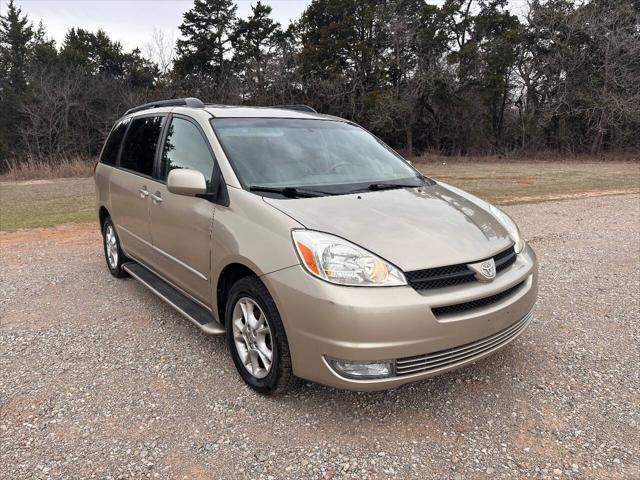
(113, 253)
(250, 292)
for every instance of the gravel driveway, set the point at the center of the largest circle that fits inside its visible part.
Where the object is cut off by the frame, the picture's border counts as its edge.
(99, 379)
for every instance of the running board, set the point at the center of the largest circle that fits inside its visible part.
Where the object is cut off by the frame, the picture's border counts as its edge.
(196, 313)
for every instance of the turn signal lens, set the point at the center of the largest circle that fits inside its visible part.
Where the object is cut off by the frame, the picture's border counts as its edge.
(308, 258)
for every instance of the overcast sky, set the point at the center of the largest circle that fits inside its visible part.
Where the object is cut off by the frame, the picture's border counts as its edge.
(132, 21)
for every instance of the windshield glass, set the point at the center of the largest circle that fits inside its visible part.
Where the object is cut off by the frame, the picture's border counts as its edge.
(274, 152)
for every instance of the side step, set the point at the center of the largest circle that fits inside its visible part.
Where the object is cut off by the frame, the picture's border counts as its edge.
(196, 313)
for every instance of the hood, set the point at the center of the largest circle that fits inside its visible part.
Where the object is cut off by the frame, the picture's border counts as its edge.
(413, 228)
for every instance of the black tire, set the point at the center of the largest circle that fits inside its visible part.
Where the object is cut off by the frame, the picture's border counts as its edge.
(114, 267)
(280, 376)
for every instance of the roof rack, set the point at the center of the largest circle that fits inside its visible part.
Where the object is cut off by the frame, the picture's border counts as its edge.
(299, 108)
(176, 102)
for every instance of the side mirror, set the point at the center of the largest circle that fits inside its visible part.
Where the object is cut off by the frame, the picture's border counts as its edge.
(186, 182)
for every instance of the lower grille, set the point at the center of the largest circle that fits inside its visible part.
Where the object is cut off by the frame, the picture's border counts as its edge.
(453, 356)
(479, 303)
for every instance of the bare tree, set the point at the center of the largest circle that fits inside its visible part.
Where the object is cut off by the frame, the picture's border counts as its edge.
(161, 49)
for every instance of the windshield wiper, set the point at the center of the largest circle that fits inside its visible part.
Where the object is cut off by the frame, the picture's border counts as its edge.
(291, 192)
(388, 186)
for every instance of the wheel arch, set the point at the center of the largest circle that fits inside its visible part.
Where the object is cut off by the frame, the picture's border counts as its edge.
(103, 214)
(229, 275)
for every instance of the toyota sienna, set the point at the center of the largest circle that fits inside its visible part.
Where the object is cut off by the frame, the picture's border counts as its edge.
(316, 249)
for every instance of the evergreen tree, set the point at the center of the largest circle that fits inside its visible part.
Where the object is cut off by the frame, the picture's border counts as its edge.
(43, 52)
(97, 54)
(16, 35)
(94, 51)
(343, 44)
(206, 29)
(459, 76)
(253, 42)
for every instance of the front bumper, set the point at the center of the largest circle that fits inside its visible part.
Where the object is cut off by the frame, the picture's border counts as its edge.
(396, 323)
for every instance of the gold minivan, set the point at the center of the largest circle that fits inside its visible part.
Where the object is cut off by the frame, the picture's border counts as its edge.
(316, 249)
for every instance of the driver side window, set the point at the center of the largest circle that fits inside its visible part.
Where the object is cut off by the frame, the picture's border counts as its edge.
(185, 147)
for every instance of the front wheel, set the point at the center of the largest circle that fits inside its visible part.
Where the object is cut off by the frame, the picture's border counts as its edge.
(256, 338)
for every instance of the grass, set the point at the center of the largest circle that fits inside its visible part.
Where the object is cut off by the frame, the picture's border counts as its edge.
(46, 203)
(35, 170)
(518, 181)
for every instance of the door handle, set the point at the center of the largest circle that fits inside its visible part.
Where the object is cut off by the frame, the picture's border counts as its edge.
(156, 198)
(143, 192)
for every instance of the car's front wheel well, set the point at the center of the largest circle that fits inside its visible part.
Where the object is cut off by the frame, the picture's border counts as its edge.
(103, 214)
(228, 277)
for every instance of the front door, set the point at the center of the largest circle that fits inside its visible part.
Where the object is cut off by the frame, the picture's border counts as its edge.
(181, 225)
(129, 187)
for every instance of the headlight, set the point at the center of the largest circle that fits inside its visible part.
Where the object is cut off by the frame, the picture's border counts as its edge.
(339, 261)
(510, 226)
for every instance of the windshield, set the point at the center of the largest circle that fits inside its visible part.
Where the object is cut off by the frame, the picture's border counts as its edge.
(330, 155)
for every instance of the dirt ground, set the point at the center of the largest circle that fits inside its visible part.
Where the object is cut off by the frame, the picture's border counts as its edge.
(100, 379)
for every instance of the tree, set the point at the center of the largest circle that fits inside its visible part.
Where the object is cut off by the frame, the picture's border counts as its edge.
(16, 36)
(253, 41)
(206, 29)
(161, 50)
(342, 59)
(580, 71)
(547, 56)
(416, 43)
(458, 76)
(611, 95)
(94, 51)
(498, 35)
(285, 79)
(99, 55)
(43, 50)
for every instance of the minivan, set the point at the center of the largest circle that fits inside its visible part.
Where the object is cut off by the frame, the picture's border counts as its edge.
(318, 251)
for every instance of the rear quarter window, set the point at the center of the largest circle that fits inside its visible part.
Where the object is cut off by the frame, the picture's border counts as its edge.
(139, 149)
(112, 145)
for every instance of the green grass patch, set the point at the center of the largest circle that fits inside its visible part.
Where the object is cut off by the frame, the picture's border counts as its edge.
(46, 203)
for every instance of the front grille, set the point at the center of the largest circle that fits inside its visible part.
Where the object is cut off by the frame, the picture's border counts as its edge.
(465, 353)
(440, 277)
(479, 303)
(505, 259)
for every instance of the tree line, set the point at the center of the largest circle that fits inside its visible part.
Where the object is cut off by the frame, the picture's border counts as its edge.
(464, 77)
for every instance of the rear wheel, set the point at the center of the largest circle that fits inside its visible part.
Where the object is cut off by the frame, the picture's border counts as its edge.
(256, 337)
(112, 251)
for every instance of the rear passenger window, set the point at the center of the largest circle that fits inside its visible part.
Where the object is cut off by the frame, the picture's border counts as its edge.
(185, 148)
(112, 145)
(140, 144)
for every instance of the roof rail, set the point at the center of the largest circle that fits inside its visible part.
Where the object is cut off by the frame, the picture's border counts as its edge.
(176, 102)
(299, 108)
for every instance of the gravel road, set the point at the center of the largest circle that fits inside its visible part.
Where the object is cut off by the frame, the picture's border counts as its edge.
(99, 379)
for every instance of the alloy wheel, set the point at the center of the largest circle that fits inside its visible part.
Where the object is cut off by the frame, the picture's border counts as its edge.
(111, 244)
(252, 337)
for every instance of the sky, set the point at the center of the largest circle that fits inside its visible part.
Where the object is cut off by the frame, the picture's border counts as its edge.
(132, 22)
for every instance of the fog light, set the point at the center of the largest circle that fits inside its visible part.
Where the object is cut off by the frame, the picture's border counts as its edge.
(362, 370)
